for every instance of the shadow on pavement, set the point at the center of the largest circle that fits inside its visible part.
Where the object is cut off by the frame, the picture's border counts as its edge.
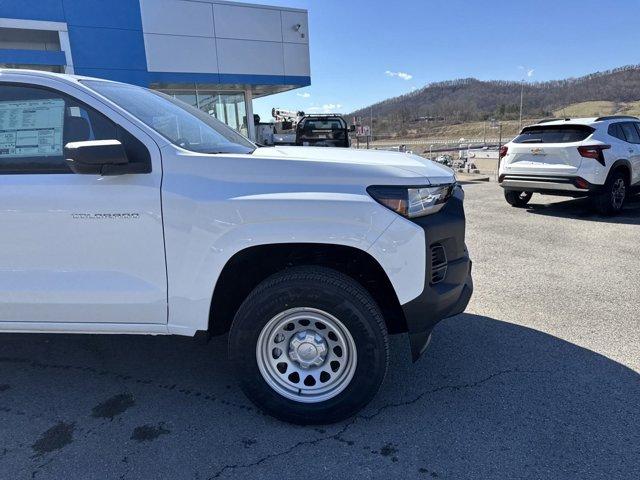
(489, 399)
(582, 209)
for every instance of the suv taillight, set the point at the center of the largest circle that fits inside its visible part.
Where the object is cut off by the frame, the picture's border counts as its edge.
(594, 151)
(503, 151)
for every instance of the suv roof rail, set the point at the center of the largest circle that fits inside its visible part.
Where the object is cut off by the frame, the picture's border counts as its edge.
(616, 117)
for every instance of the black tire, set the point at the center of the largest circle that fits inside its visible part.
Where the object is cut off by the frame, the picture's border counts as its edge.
(609, 202)
(328, 291)
(516, 198)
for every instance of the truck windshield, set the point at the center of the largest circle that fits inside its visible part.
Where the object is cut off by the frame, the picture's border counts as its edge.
(181, 124)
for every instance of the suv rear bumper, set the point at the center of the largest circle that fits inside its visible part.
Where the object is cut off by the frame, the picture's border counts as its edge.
(450, 294)
(561, 185)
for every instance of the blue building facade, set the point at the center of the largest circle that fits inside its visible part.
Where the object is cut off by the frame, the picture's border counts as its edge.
(217, 55)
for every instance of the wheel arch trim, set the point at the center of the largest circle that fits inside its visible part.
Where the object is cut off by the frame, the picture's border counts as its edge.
(625, 164)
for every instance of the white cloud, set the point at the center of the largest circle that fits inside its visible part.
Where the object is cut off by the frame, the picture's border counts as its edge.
(527, 70)
(402, 75)
(326, 108)
(304, 95)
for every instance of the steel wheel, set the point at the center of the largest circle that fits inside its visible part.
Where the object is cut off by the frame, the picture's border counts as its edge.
(309, 346)
(618, 193)
(306, 355)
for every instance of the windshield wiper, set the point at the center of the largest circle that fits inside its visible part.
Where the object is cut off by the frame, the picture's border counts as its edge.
(247, 151)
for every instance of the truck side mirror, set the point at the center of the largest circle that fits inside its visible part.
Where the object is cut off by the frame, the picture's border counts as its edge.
(98, 157)
(352, 128)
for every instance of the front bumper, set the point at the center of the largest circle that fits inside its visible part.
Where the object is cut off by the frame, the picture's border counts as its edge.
(450, 294)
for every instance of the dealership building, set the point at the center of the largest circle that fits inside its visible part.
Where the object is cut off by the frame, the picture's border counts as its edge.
(215, 55)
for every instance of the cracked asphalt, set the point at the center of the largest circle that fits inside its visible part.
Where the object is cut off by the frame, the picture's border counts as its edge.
(539, 379)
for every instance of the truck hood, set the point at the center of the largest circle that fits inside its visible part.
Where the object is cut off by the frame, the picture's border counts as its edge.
(406, 163)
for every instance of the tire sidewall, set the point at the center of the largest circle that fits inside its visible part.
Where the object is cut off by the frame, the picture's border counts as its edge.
(513, 198)
(612, 180)
(355, 315)
(604, 201)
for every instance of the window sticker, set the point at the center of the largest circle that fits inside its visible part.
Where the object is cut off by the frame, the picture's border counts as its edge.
(31, 128)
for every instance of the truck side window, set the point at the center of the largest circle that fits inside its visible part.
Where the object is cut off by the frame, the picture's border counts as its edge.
(36, 123)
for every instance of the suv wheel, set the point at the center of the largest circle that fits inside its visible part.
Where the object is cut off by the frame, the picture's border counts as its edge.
(309, 346)
(516, 198)
(614, 194)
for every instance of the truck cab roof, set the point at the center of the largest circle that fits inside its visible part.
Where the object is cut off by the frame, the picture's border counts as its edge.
(65, 77)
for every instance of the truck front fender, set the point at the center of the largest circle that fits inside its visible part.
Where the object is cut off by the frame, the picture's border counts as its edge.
(201, 242)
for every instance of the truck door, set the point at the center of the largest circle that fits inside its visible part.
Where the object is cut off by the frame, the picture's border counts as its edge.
(75, 249)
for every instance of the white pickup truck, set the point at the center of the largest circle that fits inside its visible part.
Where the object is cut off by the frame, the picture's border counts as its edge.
(124, 211)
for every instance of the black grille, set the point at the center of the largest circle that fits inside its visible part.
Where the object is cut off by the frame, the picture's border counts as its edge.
(438, 263)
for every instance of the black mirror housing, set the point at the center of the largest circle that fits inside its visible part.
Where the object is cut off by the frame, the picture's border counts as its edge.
(97, 157)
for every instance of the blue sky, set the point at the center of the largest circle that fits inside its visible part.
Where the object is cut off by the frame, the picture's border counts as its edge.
(366, 51)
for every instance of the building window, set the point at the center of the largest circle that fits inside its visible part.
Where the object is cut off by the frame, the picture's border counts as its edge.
(23, 39)
(42, 68)
(228, 107)
(29, 41)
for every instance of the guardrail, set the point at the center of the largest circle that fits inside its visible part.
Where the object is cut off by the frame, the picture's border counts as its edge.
(439, 141)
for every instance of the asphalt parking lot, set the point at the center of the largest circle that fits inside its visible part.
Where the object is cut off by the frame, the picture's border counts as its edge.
(539, 379)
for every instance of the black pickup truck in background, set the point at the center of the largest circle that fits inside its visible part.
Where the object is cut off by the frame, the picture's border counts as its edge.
(327, 130)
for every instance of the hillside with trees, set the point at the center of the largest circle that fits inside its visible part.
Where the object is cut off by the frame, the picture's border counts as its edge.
(471, 100)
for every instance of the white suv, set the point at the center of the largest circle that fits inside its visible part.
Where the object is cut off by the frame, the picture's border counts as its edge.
(596, 157)
(124, 211)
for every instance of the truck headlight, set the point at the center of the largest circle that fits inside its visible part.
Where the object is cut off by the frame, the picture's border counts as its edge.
(412, 202)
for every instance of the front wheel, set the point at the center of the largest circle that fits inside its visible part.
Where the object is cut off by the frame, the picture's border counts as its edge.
(309, 346)
(517, 199)
(613, 196)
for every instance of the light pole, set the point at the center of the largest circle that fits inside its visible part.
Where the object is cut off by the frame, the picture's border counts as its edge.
(497, 124)
(430, 148)
(521, 98)
(526, 72)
